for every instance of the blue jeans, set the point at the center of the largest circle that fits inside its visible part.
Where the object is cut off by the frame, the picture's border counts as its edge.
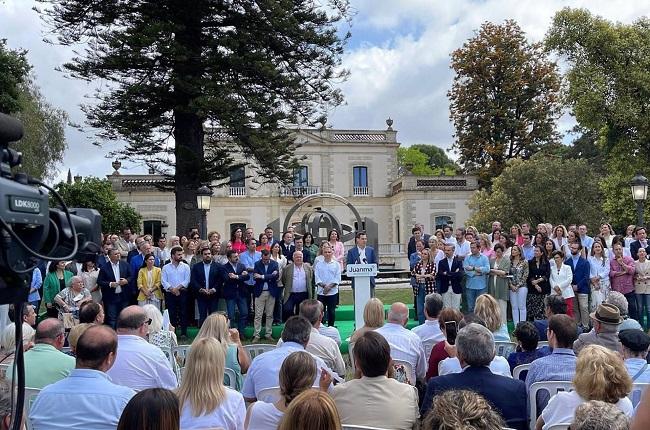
(112, 309)
(472, 295)
(419, 302)
(242, 304)
(641, 301)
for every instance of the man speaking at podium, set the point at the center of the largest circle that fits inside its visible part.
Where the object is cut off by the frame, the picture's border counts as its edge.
(362, 254)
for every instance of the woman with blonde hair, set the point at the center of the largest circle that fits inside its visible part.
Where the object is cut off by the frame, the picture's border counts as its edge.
(373, 318)
(205, 402)
(462, 410)
(216, 326)
(488, 310)
(485, 245)
(559, 236)
(600, 375)
(311, 410)
(297, 374)
(515, 233)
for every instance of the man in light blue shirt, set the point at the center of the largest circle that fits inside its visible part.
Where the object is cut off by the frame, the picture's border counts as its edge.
(635, 349)
(477, 269)
(87, 399)
(528, 248)
(248, 259)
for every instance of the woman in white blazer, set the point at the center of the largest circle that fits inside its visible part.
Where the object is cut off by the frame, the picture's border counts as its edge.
(560, 280)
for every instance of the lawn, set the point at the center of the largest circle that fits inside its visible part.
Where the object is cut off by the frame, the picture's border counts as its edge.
(386, 296)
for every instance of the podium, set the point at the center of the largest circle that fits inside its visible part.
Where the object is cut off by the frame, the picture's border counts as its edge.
(361, 274)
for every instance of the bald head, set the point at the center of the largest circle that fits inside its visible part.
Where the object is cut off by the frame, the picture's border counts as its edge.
(132, 321)
(50, 331)
(398, 313)
(96, 348)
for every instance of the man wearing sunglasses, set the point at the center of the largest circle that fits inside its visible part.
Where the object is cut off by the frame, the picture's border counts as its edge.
(139, 365)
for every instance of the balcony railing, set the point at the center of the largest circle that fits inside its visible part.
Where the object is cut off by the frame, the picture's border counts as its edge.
(298, 191)
(360, 191)
(237, 192)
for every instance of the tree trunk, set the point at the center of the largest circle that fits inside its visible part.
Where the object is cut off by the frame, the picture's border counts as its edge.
(189, 162)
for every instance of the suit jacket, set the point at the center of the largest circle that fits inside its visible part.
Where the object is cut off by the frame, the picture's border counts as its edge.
(377, 402)
(72, 267)
(269, 278)
(411, 245)
(215, 280)
(132, 253)
(287, 251)
(580, 274)
(142, 281)
(287, 280)
(371, 258)
(507, 395)
(106, 276)
(136, 263)
(634, 249)
(450, 275)
(232, 286)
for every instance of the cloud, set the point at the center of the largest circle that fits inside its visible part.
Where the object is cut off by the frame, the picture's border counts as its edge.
(398, 55)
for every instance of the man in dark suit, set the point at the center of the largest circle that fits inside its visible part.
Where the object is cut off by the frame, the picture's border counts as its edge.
(580, 283)
(135, 251)
(362, 254)
(206, 282)
(235, 290)
(103, 258)
(450, 274)
(640, 242)
(266, 292)
(475, 349)
(287, 246)
(417, 235)
(113, 279)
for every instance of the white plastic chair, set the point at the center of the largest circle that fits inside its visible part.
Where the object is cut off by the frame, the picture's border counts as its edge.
(180, 353)
(230, 378)
(408, 369)
(560, 426)
(354, 427)
(30, 396)
(516, 372)
(428, 346)
(553, 387)
(256, 349)
(637, 392)
(170, 356)
(351, 355)
(505, 348)
(269, 395)
(66, 349)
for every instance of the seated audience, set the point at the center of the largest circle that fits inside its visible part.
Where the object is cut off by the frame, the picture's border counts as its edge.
(74, 335)
(404, 344)
(553, 305)
(600, 375)
(560, 365)
(488, 310)
(527, 340)
(29, 314)
(94, 401)
(617, 299)
(45, 363)
(331, 332)
(606, 320)
(216, 326)
(460, 410)
(296, 375)
(599, 415)
(139, 364)
(374, 399)
(264, 371)
(204, 400)
(92, 313)
(439, 350)
(430, 332)
(373, 318)
(8, 341)
(70, 299)
(6, 405)
(476, 350)
(313, 410)
(156, 334)
(635, 351)
(319, 345)
(151, 409)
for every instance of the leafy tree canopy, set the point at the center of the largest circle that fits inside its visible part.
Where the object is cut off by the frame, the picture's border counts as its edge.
(14, 69)
(98, 194)
(437, 158)
(504, 101)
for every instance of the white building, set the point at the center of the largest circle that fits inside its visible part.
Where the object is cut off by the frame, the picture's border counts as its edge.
(358, 165)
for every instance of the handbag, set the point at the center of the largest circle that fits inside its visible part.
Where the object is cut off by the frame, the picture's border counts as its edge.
(69, 321)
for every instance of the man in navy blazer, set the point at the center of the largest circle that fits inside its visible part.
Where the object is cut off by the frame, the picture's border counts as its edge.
(475, 349)
(450, 274)
(580, 283)
(266, 292)
(114, 278)
(640, 242)
(206, 282)
(362, 254)
(235, 290)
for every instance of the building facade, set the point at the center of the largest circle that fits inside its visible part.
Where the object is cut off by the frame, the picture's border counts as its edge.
(358, 165)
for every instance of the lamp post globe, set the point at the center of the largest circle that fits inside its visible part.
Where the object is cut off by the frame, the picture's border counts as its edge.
(639, 188)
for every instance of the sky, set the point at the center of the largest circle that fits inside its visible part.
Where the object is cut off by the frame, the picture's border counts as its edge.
(398, 56)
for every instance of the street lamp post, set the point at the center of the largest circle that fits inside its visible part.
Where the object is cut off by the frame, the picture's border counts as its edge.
(639, 187)
(203, 197)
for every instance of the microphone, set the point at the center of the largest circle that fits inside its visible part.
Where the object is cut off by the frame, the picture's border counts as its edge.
(365, 261)
(11, 129)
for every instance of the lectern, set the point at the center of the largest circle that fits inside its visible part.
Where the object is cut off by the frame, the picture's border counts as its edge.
(362, 274)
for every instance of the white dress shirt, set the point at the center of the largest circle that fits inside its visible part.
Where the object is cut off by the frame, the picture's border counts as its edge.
(264, 371)
(429, 333)
(498, 366)
(140, 365)
(328, 273)
(175, 275)
(406, 346)
(325, 348)
(299, 284)
(331, 332)
(230, 414)
(462, 249)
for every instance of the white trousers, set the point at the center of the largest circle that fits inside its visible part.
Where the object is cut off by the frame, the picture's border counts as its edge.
(518, 305)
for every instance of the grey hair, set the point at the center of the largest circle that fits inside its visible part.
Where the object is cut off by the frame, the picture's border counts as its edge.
(311, 309)
(156, 318)
(397, 317)
(475, 345)
(75, 278)
(599, 415)
(451, 244)
(8, 340)
(617, 299)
